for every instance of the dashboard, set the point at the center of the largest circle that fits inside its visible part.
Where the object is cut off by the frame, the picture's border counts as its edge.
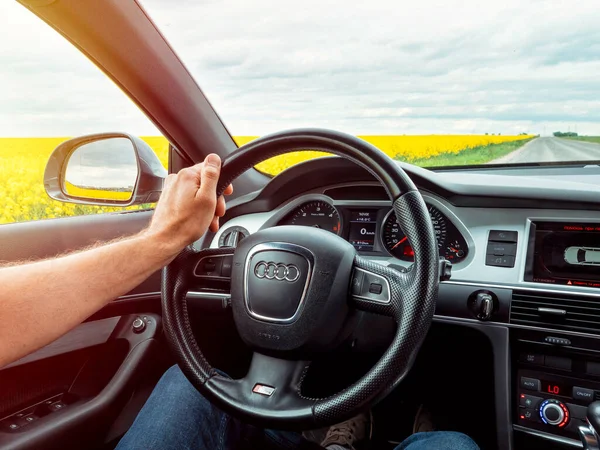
(525, 247)
(361, 213)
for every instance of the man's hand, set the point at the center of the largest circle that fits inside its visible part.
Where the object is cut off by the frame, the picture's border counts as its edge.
(188, 205)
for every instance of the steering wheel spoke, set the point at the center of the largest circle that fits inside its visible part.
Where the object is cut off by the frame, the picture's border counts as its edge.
(213, 264)
(378, 289)
(271, 386)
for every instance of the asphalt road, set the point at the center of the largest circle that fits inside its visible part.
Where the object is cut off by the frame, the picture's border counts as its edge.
(549, 149)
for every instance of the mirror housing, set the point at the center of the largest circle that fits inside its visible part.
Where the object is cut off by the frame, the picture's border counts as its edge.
(150, 173)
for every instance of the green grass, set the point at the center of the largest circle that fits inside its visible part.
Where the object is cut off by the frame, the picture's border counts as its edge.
(595, 139)
(471, 156)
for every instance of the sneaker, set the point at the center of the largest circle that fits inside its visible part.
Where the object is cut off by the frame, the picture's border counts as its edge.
(423, 421)
(349, 432)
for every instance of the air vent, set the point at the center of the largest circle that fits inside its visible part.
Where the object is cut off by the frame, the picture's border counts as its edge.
(561, 312)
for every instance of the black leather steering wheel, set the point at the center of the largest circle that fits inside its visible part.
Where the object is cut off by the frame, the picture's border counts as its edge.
(292, 289)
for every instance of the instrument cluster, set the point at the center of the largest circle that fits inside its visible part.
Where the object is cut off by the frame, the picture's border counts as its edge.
(375, 230)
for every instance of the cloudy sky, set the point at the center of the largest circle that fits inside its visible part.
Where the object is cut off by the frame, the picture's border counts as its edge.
(378, 67)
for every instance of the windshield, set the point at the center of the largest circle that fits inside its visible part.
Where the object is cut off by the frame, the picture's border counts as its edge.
(433, 83)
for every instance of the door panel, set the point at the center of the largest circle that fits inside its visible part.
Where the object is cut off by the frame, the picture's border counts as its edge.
(46, 238)
(69, 393)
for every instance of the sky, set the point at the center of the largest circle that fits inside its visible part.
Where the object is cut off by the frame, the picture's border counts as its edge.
(376, 67)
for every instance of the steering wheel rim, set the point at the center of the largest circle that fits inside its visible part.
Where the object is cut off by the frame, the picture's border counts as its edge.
(411, 298)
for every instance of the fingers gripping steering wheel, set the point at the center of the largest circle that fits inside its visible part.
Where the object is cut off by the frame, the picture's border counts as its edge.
(288, 312)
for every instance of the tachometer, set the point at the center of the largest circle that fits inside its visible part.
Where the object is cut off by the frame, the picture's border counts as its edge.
(318, 214)
(397, 243)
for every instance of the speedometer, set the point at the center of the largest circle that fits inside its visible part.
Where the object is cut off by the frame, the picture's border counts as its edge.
(318, 214)
(396, 242)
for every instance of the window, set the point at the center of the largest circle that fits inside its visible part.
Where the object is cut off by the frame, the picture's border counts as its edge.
(50, 92)
(428, 82)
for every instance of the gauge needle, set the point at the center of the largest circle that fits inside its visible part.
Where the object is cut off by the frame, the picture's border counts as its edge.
(400, 242)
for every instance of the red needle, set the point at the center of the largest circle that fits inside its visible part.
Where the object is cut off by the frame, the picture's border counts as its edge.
(401, 241)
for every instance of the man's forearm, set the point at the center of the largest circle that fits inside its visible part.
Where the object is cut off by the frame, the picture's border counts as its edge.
(43, 300)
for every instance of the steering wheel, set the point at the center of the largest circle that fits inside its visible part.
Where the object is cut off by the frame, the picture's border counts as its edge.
(292, 288)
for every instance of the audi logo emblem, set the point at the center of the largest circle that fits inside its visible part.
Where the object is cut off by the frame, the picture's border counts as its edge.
(276, 271)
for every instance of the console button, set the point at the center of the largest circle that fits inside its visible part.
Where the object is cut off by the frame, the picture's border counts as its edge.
(500, 261)
(501, 249)
(532, 358)
(593, 368)
(503, 236)
(57, 406)
(577, 411)
(529, 401)
(26, 420)
(531, 384)
(584, 394)
(528, 414)
(558, 362)
(557, 341)
(12, 426)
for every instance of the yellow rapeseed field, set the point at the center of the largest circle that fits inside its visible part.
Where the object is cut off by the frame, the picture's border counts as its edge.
(23, 160)
(404, 148)
(22, 194)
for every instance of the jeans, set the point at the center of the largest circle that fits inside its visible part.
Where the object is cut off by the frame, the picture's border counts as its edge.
(177, 417)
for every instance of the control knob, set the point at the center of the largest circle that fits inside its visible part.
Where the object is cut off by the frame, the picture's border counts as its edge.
(138, 325)
(483, 304)
(555, 413)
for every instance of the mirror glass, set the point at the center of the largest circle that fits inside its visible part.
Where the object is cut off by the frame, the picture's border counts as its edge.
(105, 169)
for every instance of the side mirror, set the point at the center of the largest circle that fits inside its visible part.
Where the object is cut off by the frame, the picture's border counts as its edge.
(110, 169)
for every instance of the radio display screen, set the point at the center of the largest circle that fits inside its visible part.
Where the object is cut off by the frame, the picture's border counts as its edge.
(565, 253)
(363, 228)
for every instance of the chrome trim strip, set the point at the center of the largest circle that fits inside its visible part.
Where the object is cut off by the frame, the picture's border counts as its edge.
(442, 318)
(287, 247)
(548, 436)
(202, 295)
(568, 291)
(387, 283)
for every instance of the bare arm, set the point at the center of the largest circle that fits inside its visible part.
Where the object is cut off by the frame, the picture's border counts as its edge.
(41, 301)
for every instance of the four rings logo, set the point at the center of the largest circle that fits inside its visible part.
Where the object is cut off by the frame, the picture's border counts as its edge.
(276, 271)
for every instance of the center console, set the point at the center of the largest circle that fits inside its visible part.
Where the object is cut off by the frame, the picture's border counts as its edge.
(555, 346)
(555, 378)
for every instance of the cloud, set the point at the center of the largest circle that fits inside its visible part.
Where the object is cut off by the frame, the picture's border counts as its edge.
(378, 67)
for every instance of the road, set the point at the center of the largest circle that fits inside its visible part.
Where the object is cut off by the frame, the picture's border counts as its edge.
(549, 149)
